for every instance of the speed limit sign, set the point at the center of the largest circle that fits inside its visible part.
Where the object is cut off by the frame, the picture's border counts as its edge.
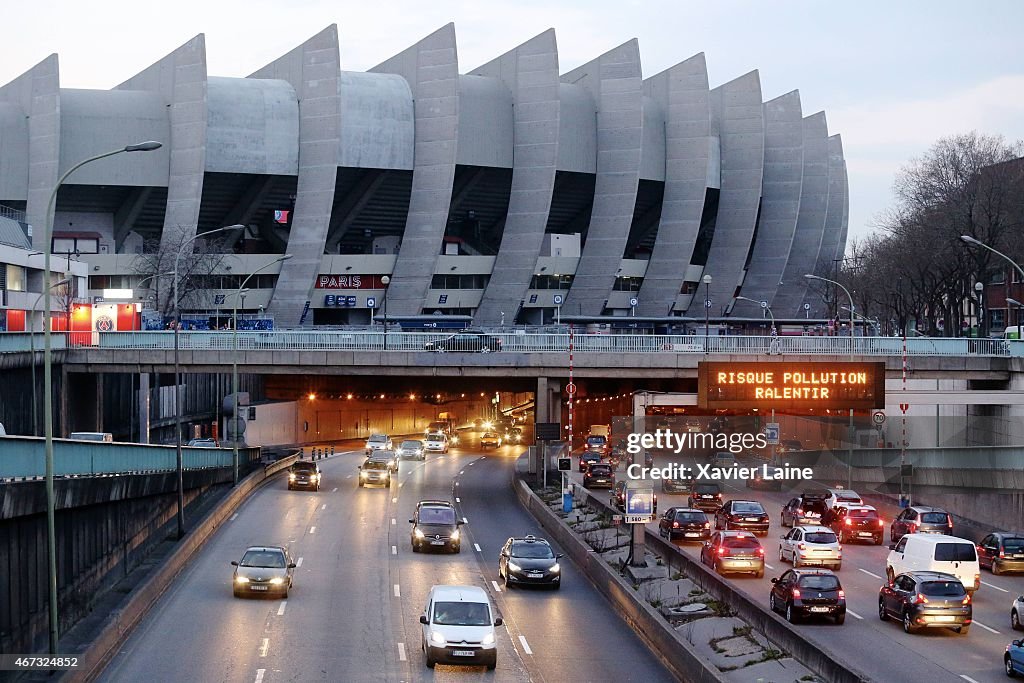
(878, 417)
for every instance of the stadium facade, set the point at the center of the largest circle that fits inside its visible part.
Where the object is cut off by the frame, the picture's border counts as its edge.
(503, 192)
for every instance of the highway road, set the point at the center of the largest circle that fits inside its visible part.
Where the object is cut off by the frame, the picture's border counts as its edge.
(359, 590)
(879, 649)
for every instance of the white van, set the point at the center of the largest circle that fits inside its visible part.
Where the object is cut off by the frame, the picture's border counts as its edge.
(105, 437)
(935, 553)
(458, 627)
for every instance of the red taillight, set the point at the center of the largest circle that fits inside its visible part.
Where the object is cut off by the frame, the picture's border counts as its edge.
(718, 495)
(848, 522)
(723, 551)
(675, 525)
(920, 599)
(881, 522)
(796, 592)
(799, 511)
(802, 546)
(977, 580)
(1001, 554)
(966, 600)
(707, 525)
(913, 527)
(760, 551)
(949, 521)
(842, 594)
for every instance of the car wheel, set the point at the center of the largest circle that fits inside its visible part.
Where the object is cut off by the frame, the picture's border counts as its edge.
(360, 484)
(837, 567)
(1008, 667)
(782, 557)
(415, 547)
(430, 659)
(882, 614)
(964, 630)
(790, 614)
(878, 540)
(716, 567)
(840, 619)
(908, 625)
(1014, 620)
(493, 664)
(782, 520)
(890, 574)
(760, 574)
(796, 560)
(996, 571)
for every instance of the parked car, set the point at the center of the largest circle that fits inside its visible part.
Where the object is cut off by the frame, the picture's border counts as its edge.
(811, 545)
(378, 442)
(935, 553)
(706, 496)
(618, 497)
(412, 450)
(921, 519)
(856, 523)
(472, 342)
(529, 560)
(1002, 551)
(736, 552)
(263, 570)
(925, 599)
(747, 515)
(435, 525)
(599, 475)
(304, 474)
(458, 627)
(490, 440)
(808, 508)
(803, 593)
(686, 524)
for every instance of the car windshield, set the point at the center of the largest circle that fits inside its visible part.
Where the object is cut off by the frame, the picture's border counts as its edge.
(691, 517)
(461, 614)
(745, 507)
(943, 588)
(532, 551)
(490, 435)
(955, 552)
(263, 558)
(741, 542)
(820, 537)
(707, 488)
(411, 445)
(303, 467)
(378, 438)
(819, 582)
(432, 515)
(862, 513)
(596, 441)
(1013, 545)
(435, 437)
(934, 517)
(848, 497)
(375, 465)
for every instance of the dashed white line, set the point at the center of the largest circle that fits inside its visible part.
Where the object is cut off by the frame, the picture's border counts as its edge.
(312, 529)
(458, 500)
(465, 521)
(526, 645)
(281, 609)
(996, 587)
(476, 546)
(471, 464)
(401, 485)
(497, 588)
(349, 476)
(401, 652)
(394, 521)
(968, 679)
(394, 500)
(233, 517)
(854, 614)
(462, 471)
(987, 628)
(398, 591)
(264, 647)
(868, 573)
(334, 490)
(298, 562)
(259, 675)
(394, 550)
(768, 566)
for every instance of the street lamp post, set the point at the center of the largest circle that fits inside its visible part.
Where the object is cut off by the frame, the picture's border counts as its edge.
(179, 405)
(32, 349)
(51, 540)
(978, 243)
(764, 305)
(707, 308)
(385, 280)
(240, 294)
(1011, 300)
(979, 288)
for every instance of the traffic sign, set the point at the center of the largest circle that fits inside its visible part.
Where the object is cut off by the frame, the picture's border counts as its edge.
(558, 299)
(771, 431)
(639, 519)
(764, 304)
(639, 505)
(371, 302)
(878, 417)
(807, 307)
(707, 303)
(904, 407)
(570, 388)
(634, 301)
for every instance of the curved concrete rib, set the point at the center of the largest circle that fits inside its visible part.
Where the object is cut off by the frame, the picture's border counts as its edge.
(810, 223)
(614, 81)
(825, 265)
(37, 93)
(180, 79)
(780, 202)
(682, 91)
(737, 108)
(841, 247)
(530, 71)
(314, 70)
(431, 68)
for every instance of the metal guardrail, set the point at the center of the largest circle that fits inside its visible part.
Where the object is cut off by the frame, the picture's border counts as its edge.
(23, 457)
(22, 342)
(343, 340)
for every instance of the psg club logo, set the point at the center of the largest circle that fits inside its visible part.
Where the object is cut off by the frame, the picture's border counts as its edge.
(105, 323)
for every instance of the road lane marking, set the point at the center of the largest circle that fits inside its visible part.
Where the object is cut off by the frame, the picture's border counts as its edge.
(854, 614)
(281, 609)
(312, 529)
(496, 586)
(462, 471)
(465, 521)
(401, 652)
(458, 500)
(233, 517)
(349, 476)
(265, 647)
(393, 521)
(477, 547)
(398, 591)
(394, 550)
(868, 573)
(334, 490)
(996, 587)
(987, 628)
(401, 485)
(471, 464)
(299, 563)
(394, 500)
(968, 679)
(259, 675)
(526, 645)
(768, 566)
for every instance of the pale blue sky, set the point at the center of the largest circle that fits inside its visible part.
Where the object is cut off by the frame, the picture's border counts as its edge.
(892, 76)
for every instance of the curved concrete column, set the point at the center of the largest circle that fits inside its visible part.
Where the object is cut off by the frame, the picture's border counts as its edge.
(780, 202)
(37, 93)
(180, 79)
(737, 110)
(844, 230)
(431, 68)
(810, 223)
(314, 70)
(825, 264)
(531, 72)
(682, 91)
(614, 81)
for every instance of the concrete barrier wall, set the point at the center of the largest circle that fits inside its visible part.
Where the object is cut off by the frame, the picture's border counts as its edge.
(687, 664)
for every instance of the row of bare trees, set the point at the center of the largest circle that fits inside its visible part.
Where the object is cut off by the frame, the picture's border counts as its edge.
(915, 269)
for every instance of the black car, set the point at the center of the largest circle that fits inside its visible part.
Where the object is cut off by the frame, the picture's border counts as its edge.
(435, 525)
(856, 523)
(304, 475)
(473, 342)
(675, 485)
(618, 498)
(686, 524)
(599, 475)
(529, 560)
(807, 509)
(926, 600)
(588, 458)
(706, 496)
(803, 593)
(921, 519)
(742, 514)
(1002, 551)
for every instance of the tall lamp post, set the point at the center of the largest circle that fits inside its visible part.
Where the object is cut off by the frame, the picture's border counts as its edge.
(32, 349)
(240, 294)
(385, 280)
(51, 540)
(1010, 300)
(179, 404)
(773, 347)
(707, 308)
(978, 243)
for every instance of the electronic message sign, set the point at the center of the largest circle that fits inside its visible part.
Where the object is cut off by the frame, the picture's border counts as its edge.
(791, 385)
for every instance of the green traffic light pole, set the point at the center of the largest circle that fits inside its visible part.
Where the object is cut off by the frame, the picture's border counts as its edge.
(51, 540)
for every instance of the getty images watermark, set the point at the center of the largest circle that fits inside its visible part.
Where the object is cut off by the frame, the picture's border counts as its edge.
(724, 444)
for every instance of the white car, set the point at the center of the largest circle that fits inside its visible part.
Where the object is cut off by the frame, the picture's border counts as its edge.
(458, 627)
(1017, 613)
(436, 443)
(846, 497)
(807, 546)
(935, 553)
(378, 442)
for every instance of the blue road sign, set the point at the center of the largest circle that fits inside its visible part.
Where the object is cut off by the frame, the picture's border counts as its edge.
(639, 501)
(371, 302)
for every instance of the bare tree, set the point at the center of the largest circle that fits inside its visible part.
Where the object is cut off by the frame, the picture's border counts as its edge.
(199, 270)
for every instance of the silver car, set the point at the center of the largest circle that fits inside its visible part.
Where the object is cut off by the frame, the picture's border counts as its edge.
(806, 546)
(263, 570)
(436, 442)
(411, 449)
(378, 442)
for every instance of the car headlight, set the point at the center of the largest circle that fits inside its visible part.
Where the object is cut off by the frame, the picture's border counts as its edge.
(362, 475)
(555, 568)
(514, 567)
(241, 579)
(277, 581)
(437, 637)
(488, 639)
(291, 476)
(418, 533)
(455, 535)
(455, 440)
